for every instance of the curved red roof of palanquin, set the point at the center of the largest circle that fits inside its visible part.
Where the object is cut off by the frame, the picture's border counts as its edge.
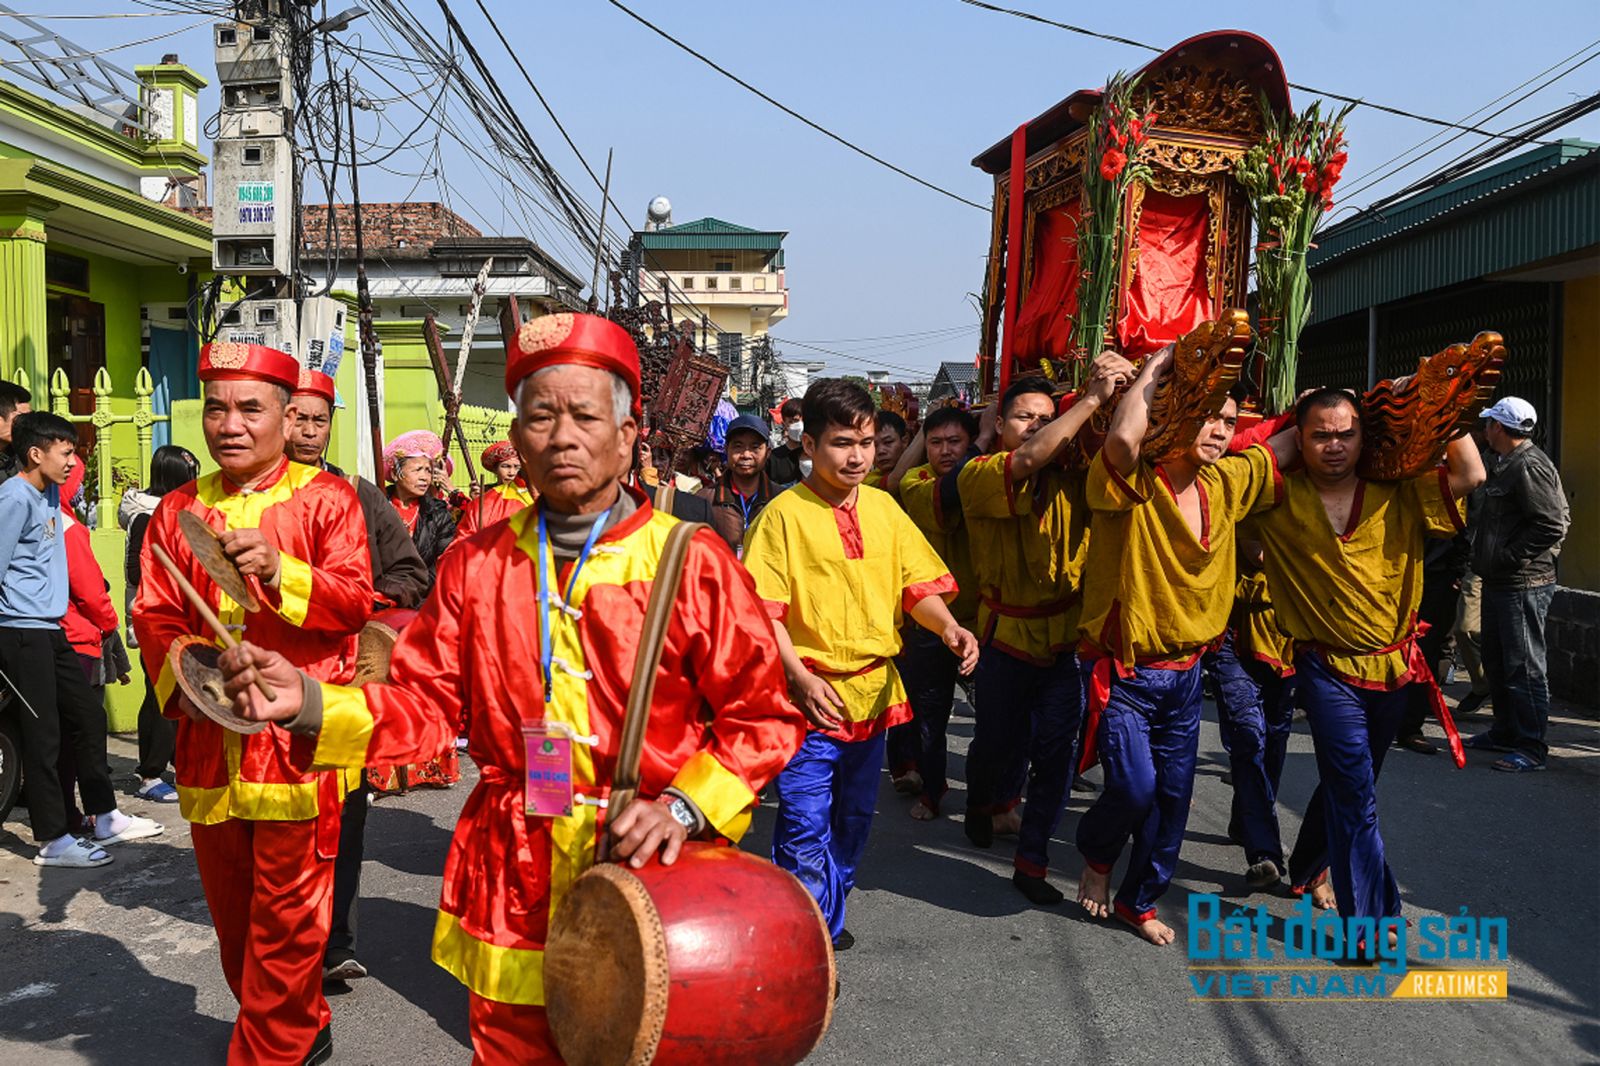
(1252, 55)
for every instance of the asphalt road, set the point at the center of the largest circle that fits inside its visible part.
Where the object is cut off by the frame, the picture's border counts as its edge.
(118, 967)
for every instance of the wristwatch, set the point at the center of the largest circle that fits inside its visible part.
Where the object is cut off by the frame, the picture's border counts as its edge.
(682, 813)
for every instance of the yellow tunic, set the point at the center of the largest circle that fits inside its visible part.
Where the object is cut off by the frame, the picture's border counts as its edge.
(947, 532)
(841, 579)
(1354, 594)
(1255, 625)
(1153, 591)
(1029, 538)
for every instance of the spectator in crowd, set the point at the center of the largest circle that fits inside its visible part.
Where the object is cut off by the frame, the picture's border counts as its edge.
(746, 488)
(170, 467)
(1467, 638)
(14, 401)
(783, 465)
(889, 438)
(90, 625)
(411, 465)
(1525, 519)
(36, 657)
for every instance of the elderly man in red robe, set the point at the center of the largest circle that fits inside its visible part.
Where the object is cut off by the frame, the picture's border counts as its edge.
(265, 830)
(533, 626)
(503, 499)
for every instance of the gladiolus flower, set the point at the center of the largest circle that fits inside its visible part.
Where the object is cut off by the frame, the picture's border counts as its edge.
(1111, 164)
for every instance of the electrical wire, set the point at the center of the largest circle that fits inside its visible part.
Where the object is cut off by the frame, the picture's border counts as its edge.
(791, 112)
(1031, 17)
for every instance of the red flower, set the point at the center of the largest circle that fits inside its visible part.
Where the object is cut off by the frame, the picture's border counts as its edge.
(1135, 130)
(1311, 182)
(1111, 164)
(1118, 136)
(1150, 119)
(1301, 165)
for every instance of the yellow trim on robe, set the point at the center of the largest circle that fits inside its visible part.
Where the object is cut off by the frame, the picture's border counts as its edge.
(505, 975)
(947, 532)
(724, 799)
(252, 800)
(294, 589)
(166, 684)
(346, 728)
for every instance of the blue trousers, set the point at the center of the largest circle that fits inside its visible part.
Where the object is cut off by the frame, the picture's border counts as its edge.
(826, 798)
(1351, 729)
(1025, 737)
(1255, 711)
(1149, 737)
(1514, 658)
(930, 670)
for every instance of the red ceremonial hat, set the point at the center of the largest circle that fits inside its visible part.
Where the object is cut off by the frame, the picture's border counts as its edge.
(574, 340)
(231, 361)
(315, 383)
(497, 453)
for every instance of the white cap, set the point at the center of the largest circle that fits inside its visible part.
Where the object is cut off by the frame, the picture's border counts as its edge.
(1514, 412)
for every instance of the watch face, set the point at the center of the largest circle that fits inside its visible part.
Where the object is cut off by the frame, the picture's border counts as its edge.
(681, 812)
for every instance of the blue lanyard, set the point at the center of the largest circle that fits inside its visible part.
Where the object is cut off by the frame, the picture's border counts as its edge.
(547, 581)
(743, 506)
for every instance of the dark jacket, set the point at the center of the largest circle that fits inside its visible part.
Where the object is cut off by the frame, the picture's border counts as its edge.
(1524, 520)
(783, 465)
(9, 465)
(728, 515)
(435, 530)
(398, 572)
(686, 506)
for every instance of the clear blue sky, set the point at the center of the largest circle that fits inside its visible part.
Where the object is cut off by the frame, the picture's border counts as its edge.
(924, 83)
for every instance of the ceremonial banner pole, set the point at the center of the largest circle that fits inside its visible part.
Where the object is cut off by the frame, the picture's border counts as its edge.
(600, 238)
(452, 403)
(369, 342)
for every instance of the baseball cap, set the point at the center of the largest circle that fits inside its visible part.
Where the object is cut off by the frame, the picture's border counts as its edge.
(1514, 412)
(748, 422)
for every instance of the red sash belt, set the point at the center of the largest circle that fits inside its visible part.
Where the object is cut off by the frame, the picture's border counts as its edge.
(816, 668)
(1041, 610)
(1100, 689)
(1419, 672)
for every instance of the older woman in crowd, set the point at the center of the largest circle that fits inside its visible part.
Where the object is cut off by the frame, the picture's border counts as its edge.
(410, 462)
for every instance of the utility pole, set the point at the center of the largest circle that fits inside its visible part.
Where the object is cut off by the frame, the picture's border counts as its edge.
(369, 342)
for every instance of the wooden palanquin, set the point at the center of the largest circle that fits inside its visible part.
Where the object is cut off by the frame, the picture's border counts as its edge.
(1183, 251)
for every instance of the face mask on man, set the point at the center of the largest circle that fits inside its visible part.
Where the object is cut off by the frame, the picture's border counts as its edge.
(793, 432)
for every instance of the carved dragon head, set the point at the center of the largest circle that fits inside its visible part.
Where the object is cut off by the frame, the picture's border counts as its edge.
(1408, 421)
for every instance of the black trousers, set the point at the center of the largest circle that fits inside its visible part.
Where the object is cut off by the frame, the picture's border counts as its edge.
(347, 867)
(158, 736)
(50, 679)
(1438, 608)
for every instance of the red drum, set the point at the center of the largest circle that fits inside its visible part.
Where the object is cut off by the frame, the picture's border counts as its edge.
(719, 959)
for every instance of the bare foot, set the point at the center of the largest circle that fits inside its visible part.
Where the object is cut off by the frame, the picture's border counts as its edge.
(1322, 896)
(1008, 824)
(1154, 930)
(922, 812)
(1094, 891)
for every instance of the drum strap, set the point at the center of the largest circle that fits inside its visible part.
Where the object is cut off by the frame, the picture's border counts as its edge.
(666, 496)
(652, 639)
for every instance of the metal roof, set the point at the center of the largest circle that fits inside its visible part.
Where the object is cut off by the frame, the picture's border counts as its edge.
(712, 234)
(1533, 207)
(962, 373)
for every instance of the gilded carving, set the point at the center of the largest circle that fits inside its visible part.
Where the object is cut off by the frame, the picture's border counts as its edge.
(1213, 100)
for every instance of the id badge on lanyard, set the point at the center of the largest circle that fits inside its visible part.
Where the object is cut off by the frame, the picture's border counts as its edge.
(547, 790)
(547, 745)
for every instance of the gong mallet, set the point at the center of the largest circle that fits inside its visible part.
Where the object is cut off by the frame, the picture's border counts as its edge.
(207, 615)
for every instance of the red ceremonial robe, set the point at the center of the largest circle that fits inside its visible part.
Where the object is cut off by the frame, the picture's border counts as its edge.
(264, 832)
(720, 725)
(495, 503)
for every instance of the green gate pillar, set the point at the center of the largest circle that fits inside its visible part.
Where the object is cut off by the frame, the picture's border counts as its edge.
(23, 325)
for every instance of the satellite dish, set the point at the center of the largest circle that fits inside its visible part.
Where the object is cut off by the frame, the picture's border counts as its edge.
(659, 212)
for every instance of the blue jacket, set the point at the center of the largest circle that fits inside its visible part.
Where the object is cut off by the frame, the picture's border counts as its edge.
(33, 556)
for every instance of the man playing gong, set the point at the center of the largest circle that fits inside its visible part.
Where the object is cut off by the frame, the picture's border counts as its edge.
(265, 831)
(534, 625)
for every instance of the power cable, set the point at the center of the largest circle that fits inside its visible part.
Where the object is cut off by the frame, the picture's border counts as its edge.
(791, 112)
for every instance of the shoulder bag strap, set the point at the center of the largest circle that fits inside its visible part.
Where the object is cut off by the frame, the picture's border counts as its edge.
(652, 639)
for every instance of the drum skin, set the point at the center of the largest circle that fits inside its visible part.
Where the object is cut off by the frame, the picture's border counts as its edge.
(719, 959)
